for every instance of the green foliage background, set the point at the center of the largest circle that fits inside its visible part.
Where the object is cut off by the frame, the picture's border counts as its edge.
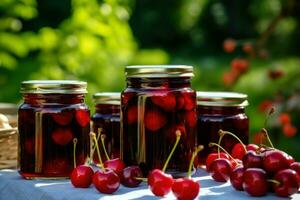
(93, 40)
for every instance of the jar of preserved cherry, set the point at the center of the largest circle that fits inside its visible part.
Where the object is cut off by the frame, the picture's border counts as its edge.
(107, 117)
(52, 116)
(221, 110)
(158, 101)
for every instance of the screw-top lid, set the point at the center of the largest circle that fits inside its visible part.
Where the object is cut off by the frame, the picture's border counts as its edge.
(222, 99)
(158, 71)
(107, 98)
(53, 87)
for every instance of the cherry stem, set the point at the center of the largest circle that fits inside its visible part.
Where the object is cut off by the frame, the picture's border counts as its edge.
(221, 132)
(141, 179)
(74, 151)
(219, 142)
(93, 135)
(265, 132)
(265, 146)
(273, 181)
(178, 135)
(198, 149)
(92, 148)
(103, 146)
(215, 144)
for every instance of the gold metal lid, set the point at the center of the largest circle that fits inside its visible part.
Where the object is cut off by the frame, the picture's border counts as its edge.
(225, 99)
(53, 87)
(158, 71)
(107, 98)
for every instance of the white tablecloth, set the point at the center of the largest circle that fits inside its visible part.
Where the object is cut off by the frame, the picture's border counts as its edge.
(12, 186)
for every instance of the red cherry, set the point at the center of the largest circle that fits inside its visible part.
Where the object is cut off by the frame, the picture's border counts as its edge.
(211, 157)
(179, 102)
(62, 118)
(229, 45)
(252, 160)
(117, 165)
(82, 176)
(275, 160)
(132, 115)
(288, 183)
(159, 182)
(252, 147)
(235, 163)
(265, 105)
(82, 117)
(185, 188)
(289, 130)
(296, 167)
(129, 175)
(166, 101)
(171, 132)
(259, 138)
(62, 136)
(248, 48)
(220, 169)
(229, 78)
(191, 118)
(106, 181)
(236, 178)
(238, 151)
(284, 118)
(154, 120)
(255, 182)
(239, 65)
(275, 73)
(189, 101)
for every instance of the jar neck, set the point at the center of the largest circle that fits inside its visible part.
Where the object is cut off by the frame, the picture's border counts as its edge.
(107, 109)
(159, 83)
(37, 99)
(219, 110)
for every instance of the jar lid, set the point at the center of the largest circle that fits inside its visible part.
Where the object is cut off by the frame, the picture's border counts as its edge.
(53, 87)
(222, 99)
(158, 71)
(107, 98)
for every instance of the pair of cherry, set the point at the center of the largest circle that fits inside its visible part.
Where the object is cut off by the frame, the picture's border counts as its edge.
(161, 183)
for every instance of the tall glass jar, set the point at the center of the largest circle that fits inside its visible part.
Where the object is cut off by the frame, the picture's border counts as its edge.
(221, 110)
(158, 101)
(107, 117)
(52, 115)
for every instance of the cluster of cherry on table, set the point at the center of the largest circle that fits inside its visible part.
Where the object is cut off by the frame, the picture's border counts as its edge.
(252, 168)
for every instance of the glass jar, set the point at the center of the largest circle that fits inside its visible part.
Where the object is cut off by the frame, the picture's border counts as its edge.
(158, 101)
(221, 110)
(52, 115)
(107, 117)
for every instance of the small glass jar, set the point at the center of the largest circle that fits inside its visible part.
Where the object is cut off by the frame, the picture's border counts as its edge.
(52, 115)
(221, 110)
(107, 117)
(158, 101)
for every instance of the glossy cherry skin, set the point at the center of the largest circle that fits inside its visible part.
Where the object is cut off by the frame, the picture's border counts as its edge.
(129, 175)
(252, 147)
(296, 167)
(252, 160)
(235, 163)
(106, 181)
(275, 160)
(159, 182)
(211, 157)
(289, 185)
(236, 178)
(238, 151)
(221, 169)
(115, 164)
(185, 188)
(82, 176)
(255, 182)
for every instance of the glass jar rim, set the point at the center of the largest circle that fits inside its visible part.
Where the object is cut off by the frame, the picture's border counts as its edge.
(225, 99)
(158, 71)
(107, 98)
(53, 87)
